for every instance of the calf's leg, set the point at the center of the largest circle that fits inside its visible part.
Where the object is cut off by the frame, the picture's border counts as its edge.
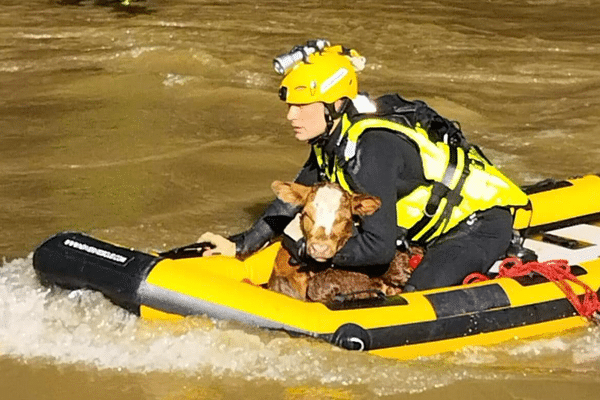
(286, 278)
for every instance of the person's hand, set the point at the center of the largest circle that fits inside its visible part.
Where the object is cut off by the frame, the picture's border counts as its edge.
(223, 245)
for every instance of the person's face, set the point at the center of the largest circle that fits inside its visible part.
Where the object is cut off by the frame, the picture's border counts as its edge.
(308, 120)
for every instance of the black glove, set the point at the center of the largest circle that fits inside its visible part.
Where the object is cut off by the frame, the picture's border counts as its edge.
(297, 250)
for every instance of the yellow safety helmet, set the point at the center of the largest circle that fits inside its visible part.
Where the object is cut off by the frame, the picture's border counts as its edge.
(324, 75)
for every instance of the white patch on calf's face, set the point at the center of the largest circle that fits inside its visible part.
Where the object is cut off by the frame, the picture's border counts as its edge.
(327, 203)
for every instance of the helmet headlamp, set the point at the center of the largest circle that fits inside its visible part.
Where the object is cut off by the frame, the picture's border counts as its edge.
(287, 61)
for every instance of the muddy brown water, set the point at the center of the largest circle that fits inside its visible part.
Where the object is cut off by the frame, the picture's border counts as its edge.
(151, 124)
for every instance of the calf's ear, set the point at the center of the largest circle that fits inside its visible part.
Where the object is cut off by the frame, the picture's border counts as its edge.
(364, 204)
(291, 192)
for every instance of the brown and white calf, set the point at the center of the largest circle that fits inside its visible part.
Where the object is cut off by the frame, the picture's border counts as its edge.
(326, 222)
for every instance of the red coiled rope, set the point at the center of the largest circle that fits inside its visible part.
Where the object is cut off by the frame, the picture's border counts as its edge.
(557, 271)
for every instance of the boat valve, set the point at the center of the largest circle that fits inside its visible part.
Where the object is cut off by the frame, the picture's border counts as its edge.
(352, 337)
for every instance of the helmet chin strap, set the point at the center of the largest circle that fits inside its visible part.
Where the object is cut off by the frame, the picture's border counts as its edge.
(331, 114)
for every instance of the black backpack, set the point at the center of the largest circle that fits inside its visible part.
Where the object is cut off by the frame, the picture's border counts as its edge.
(409, 113)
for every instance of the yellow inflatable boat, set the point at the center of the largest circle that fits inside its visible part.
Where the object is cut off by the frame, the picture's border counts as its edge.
(562, 222)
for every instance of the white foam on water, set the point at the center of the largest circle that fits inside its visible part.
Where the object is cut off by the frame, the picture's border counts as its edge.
(546, 346)
(10, 67)
(81, 326)
(173, 79)
(586, 350)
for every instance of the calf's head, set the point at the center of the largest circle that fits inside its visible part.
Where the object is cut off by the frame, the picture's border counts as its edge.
(326, 218)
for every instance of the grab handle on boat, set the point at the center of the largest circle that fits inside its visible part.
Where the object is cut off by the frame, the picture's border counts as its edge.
(187, 251)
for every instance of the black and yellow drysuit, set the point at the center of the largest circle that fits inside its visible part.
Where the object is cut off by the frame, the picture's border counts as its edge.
(448, 198)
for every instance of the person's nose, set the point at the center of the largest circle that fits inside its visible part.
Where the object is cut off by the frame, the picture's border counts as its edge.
(292, 113)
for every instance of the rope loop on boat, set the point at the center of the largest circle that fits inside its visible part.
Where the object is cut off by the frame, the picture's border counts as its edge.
(557, 271)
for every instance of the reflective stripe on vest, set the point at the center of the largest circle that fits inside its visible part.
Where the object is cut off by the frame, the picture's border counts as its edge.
(462, 182)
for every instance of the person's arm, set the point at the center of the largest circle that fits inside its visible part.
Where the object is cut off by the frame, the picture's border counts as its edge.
(276, 216)
(388, 167)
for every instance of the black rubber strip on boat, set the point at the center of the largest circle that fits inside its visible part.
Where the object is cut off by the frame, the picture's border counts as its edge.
(468, 300)
(544, 186)
(458, 326)
(585, 219)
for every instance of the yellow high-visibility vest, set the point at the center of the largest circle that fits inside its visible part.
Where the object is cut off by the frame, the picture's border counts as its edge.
(462, 181)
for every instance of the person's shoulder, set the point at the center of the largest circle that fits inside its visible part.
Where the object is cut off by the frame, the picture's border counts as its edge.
(383, 138)
(379, 134)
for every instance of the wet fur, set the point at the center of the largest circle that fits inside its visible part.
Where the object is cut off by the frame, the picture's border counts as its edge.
(312, 281)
